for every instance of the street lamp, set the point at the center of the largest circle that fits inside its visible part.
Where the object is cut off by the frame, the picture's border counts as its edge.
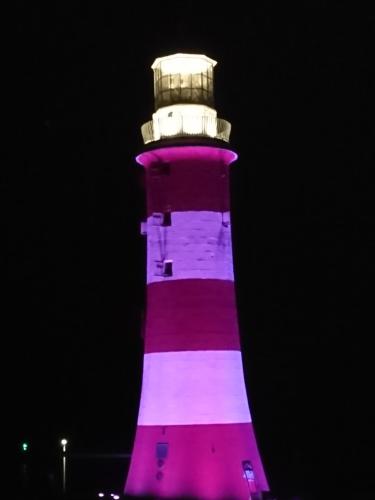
(63, 443)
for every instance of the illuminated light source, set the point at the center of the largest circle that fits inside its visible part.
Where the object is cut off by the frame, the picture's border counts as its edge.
(25, 446)
(185, 119)
(101, 495)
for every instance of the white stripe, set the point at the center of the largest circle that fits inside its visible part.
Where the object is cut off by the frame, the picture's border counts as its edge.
(198, 243)
(193, 387)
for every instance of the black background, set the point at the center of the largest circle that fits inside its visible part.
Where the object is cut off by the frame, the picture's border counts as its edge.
(296, 83)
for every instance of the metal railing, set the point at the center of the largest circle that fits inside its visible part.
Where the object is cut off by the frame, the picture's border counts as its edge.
(185, 126)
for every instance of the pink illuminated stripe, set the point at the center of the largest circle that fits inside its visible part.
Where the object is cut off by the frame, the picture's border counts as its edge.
(191, 315)
(196, 178)
(198, 243)
(174, 155)
(197, 387)
(203, 461)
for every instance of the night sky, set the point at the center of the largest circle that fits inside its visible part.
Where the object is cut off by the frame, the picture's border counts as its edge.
(297, 85)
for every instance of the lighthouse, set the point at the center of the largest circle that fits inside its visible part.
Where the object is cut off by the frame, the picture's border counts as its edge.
(194, 436)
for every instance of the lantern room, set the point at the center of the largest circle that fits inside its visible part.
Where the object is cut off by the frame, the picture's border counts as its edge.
(183, 79)
(184, 100)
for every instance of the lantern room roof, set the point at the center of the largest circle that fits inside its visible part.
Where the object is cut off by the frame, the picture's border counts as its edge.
(183, 63)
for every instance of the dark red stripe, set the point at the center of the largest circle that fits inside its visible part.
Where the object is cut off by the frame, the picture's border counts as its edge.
(193, 314)
(187, 178)
(202, 461)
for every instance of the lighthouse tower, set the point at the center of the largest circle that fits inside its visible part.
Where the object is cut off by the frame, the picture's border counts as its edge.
(195, 437)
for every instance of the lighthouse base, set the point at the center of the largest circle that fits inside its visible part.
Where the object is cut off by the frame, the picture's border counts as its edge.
(205, 462)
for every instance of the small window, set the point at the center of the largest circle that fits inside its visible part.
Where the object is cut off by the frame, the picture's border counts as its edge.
(167, 271)
(161, 451)
(248, 470)
(164, 268)
(167, 219)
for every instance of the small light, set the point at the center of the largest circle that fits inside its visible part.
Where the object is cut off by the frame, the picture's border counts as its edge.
(100, 494)
(116, 497)
(25, 446)
(63, 443)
